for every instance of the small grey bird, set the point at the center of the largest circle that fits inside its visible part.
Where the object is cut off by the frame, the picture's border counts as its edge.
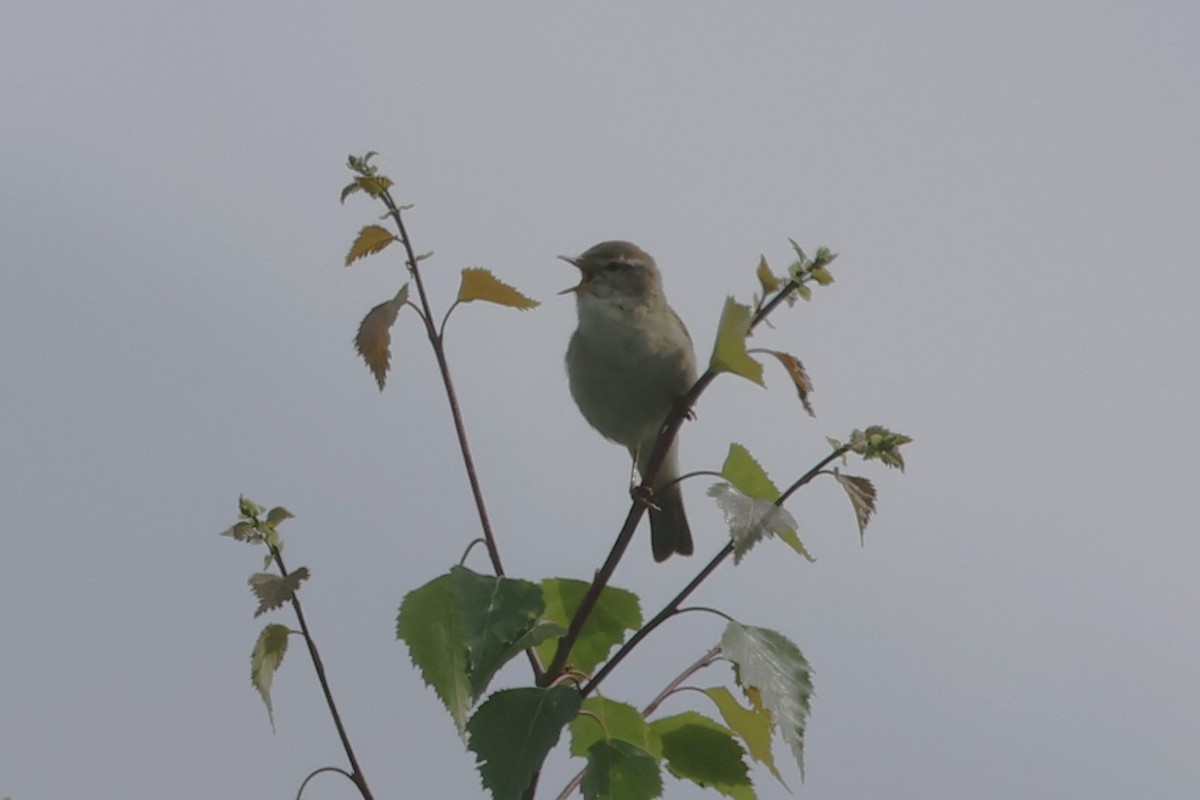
(629, 362)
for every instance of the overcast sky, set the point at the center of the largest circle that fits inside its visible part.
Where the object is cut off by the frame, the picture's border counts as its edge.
(1014, 191)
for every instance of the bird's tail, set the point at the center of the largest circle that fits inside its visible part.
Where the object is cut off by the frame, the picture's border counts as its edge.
(669, 529)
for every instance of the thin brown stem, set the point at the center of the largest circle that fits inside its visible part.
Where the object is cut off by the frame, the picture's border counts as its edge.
(439, 352)
(356, 773)
(669, 610)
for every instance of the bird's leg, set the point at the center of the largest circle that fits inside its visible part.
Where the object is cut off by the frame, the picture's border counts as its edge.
(682, 406)
(640, 494)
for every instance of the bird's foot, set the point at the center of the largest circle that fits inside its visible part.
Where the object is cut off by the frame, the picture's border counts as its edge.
(643, 495)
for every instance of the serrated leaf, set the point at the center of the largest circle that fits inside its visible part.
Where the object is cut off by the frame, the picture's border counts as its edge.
(481, 284)
(373, 184)
(767, 279)
(277, 515)
(821, 275)
(877, 442)
(862, 496)
(371, 239)
(374, 339)
(704, 752)
(753, 726)
(799, 376)
(616, 611)
(618, 770)
(274, 590)
(772, 664)
(610, 719)
(431, 625)
(744, 472)
(348, 190)
(729, 351)
(801, 256)
(750, 519)
(512, 732)
(265, 660)
(496, 612)
(248, 508)
(243, 532)
(824, 257)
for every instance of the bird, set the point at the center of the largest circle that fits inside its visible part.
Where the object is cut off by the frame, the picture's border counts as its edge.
(629, 363)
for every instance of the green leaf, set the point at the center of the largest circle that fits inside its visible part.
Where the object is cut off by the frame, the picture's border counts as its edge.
(618, 770)
(744, 472)
(496, 612)
(243, 532)
(277, 515)
(481, 284)
(750, 519)
(249, 509)
(820, 275)
(753, 726)
(348, 190)
(729, 352)
(370, 240)
(824, 257)
(878, 442)
(608, 719)
(265, 660)
(704, 752)
(374, 339)
(432, 626)
(862, 496)
(274, 590)
(751, 479)
(616, 612)
(512, 732)
(770, 663)
(462, 627)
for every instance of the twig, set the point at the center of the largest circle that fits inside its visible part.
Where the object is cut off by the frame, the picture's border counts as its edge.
(439, 352)
(356, 774)
(437, 341)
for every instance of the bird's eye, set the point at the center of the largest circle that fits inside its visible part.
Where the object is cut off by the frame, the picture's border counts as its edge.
(613, 266)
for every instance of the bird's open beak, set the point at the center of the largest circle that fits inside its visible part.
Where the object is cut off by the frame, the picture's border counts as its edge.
(583, 281)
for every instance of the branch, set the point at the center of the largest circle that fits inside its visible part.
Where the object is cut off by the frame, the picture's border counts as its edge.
(672, 608)
(435, 339)
(356, 774)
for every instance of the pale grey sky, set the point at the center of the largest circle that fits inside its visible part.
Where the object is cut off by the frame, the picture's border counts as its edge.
(1014, 190)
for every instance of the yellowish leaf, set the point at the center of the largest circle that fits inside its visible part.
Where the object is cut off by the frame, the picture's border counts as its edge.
(481, 284)
(371, 240)
(799, 377)
(374, 338)
(766, 278)
(752, 725)
(729, 352)
(374, 185)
